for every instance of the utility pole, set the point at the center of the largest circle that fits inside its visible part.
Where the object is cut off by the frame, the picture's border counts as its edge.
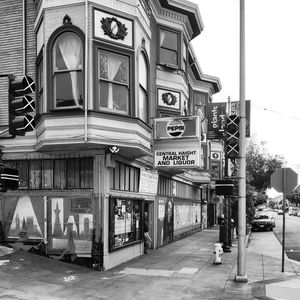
(241, 262)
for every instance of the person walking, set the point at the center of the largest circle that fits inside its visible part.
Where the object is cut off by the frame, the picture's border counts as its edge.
(147, 238)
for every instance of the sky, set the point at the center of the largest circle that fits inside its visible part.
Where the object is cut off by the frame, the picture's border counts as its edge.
(272, 65)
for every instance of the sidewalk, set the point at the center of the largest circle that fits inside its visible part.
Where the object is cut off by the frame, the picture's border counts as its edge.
(181, 270)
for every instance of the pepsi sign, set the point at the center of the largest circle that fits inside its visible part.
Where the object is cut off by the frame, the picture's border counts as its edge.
(177, 127)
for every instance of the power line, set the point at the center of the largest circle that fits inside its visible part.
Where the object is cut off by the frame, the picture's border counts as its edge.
(276, 112)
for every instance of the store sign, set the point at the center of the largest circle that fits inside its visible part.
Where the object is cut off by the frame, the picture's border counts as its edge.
(177, 158)
(148, 182)
(216, 115)
(177, 127)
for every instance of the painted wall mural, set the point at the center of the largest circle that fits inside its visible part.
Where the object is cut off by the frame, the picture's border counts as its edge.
(68, 228)
(71, 226)
(24, 223)
(165, 225)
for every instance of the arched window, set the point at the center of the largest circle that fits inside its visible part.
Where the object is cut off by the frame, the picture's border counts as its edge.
(143, 104)
(67, 71)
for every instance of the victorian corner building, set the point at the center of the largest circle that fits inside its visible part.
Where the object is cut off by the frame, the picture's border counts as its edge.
(120, 127)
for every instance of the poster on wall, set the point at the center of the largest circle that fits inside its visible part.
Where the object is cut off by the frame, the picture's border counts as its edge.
(27, 218)
(71, 226)
(165, 224)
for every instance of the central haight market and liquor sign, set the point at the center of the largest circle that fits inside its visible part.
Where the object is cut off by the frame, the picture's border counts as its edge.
(177, 158)
(177, 142)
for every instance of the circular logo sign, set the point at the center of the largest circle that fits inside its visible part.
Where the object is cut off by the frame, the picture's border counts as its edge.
(175, 128)
(215, 155)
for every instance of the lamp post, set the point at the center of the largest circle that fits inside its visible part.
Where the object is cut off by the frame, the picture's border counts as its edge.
(241, 262)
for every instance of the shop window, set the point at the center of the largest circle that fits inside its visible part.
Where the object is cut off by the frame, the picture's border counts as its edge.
(54, 174)
(114, 82)
(125, 178)
(67, 71)
(166, 186)
(143, 88)
(168, 53)
(47, 174)
(35, 174)
(125, 222)
(60, 174)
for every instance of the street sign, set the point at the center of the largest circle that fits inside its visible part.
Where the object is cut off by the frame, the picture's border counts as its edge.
(284, 180)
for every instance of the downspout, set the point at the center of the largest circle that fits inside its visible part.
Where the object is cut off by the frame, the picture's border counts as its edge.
(86, 72)
(24, 37)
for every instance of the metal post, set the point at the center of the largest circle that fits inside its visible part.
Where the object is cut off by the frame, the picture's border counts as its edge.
(283, 217)
(241, 262)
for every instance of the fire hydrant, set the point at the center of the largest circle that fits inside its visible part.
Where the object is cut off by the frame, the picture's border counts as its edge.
(218, 252)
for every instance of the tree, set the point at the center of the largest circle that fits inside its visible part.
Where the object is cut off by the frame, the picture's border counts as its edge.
(260, 166)
(294, 196)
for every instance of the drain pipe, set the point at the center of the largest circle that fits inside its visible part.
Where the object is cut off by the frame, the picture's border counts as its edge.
(86, 72)
(24, 37)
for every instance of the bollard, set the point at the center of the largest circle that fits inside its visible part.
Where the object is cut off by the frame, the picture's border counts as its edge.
(218, 252)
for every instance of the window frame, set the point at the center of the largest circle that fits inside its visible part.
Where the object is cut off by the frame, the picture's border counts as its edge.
(143, 54)
(178, 50)
(98, 47)
(51, 99)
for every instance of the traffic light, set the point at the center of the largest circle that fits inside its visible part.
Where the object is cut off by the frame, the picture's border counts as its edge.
(232, 137)
(20, 104)
(9, 178)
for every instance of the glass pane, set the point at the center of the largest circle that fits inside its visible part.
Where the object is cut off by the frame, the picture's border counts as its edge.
(35, 174)
(47, 174)
(168, 57)
(143, 72)
(122, 177)
(114, 67)
(22, 167)
(73, 173)
(117, 176)
(86, 173)
(104, 93)
(127, 178)
(68, 89)
(68, 52)
(168, 40)
(120, 97)
(143, 105)
(60, 174)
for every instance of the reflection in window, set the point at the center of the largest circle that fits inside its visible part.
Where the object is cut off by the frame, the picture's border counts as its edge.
(143, 88)
(125, 222)
(114, 81)
(67, 71)
(168, 48)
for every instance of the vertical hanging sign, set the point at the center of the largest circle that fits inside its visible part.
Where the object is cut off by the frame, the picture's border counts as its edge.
(216, 115)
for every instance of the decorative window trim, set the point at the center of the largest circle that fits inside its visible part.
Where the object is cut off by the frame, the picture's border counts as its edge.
(109, 29)
(51, 106)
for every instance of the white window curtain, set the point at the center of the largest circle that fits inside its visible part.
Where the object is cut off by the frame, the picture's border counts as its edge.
(113, 67)
(70, 47)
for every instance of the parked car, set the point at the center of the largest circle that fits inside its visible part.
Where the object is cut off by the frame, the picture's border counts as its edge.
(263, 222)
(293, 211)
(298, 213)
(280, 212)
